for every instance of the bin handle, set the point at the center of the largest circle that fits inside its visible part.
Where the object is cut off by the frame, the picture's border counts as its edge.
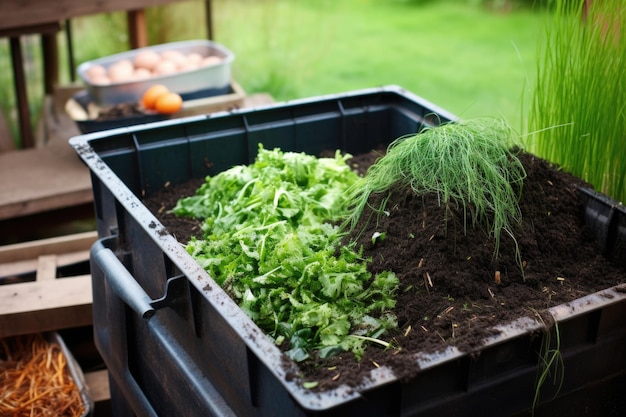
(124, 284)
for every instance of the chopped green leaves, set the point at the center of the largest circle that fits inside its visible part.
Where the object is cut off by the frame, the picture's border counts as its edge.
(271, 242)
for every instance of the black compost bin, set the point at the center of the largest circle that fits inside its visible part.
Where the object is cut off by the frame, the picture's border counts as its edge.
(176, 345)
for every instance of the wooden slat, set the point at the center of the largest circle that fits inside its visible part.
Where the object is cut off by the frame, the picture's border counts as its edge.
(12, 269)
(41, 180)
(30, 265)
(98, 383)
(75, 243)
(34, 12)
(46, 267)
(64, 259)
(234, 100)
(45, 28)
(46, 305)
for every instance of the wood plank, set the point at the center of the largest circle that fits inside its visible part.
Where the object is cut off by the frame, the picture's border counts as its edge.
(46, 267)
(29, 266)
(32, 307)
(39, 29)
(34, 12)
(64, 259)
(74, 243)
(13, 269)
(98, 384)
(42, 179)
(258, 100)
(234, 100)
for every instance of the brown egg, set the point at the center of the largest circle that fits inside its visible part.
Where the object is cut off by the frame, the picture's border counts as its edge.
(165, 67)
(211, 60)
(95, 71)
(173, 56)
(194, 57)
(121, 71)
(141, 74)
(147, 59)
(188, 66)
(100, 79)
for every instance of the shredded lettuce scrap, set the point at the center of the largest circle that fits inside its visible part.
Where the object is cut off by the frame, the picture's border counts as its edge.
(270, 239)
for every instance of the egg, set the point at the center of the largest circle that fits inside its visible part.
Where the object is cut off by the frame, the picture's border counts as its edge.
(100, 79)
(194, 57)
(147, 59)
(95, 71)
(188, 66)
(168, 103)
(173, 56)
(165, 67)
(141, 74)
(211, 60)
(121, 71)
(151, 95)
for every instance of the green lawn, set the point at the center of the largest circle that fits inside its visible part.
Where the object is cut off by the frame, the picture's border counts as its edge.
(464, 58)
(468, 59)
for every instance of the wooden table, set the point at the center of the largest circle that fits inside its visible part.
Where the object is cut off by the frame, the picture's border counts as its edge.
(42, 179)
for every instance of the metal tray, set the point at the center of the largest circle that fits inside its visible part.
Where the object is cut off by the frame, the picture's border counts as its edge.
(212, 78)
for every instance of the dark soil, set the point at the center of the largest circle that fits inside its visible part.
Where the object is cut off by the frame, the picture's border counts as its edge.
(120, 110)
(449, 292)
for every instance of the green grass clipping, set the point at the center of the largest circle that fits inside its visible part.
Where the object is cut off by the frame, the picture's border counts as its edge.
(469, 164)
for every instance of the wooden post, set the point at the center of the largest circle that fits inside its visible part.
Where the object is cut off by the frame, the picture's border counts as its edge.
(26, 130)
(48, 30)
(50, 62)
(208, 10)
(137, 32)
(6, 138)
(69, 40)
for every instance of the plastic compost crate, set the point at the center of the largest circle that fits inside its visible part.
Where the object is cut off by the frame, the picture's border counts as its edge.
(176, 344)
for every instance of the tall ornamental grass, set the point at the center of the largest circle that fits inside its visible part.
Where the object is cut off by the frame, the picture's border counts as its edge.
(578, 107)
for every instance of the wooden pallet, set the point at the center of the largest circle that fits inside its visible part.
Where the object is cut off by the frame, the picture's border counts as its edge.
(48, 303)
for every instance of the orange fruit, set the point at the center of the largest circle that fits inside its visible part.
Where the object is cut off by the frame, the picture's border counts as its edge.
(149, 98)
(168, 103)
